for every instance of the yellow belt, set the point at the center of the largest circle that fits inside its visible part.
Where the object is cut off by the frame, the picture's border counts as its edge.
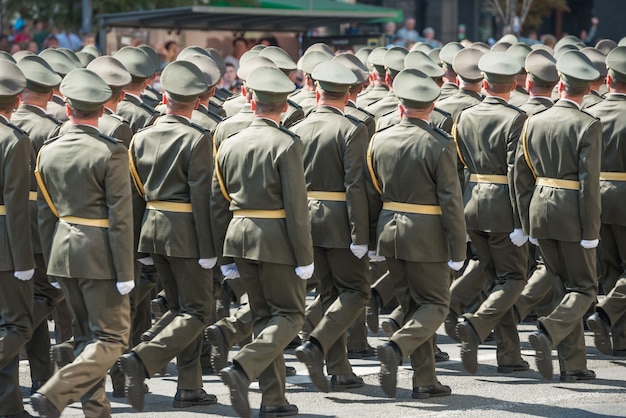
(489, 178)
(99, 223)
(331, 196)
(3, 210)
(412, 208)
(260, 213)
(169, 206)
(32, 196)
(558, 183)
(613, 175)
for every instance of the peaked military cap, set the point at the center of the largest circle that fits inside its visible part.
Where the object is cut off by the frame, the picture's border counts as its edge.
(465, 64)
(351, 62)
(192, 50)
(71, 55)
(508, 38)
(246, 56)
(258, 47)
(597, 58)
(363, 54)
(376, 59)
(421, 61)
(219, 60)
(183, 81)
(270, 84)
(91, 49)
(481, 46)
(12, 81)
(394, 59)
(543, 47)
(58, 61)
(312, 59)
(85, 58)
(567, 40)
(541, 65)
(499, 67)
(280, 57)
(563, 49)
(40, 77)
(334, 77)
(606, 45)
(449, 51)
(154, 57)
(415, 89)
(519, 51)
(251, 64)
(111, 71)
(21, 54)
(616, 61)
(5, 56)
(434, 55)
(622, 42)
(421, 46)
(137, 62)
(208, 67)
(500, 47)
(576, 69)
(85, 90)
(320, 46)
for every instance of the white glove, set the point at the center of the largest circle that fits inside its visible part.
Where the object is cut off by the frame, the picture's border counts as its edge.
(230, 271)
(586, 243)
(24, 275)
(146, 261)
(207, 263)
(533, 241)
(358, 250)
(374, 258)
(56, 285)
(125, 287)
(456, 265)
(305, 272)
(518, 238)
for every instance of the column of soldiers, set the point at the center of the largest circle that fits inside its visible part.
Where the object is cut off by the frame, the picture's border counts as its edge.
(443, 171)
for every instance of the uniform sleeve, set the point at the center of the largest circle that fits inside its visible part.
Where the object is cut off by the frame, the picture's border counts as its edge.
(524, 186)
(511, 151)
(123, 133)
(354, 182)
(375, 203)
(589, 177)
(15, 197)
(451, 202)
(199, 180)
(118, 200)
(291, 167)
(220, 218)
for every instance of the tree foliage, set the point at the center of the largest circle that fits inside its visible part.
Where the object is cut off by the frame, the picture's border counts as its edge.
(530, 13)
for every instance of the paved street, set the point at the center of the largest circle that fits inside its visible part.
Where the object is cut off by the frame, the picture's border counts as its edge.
(486, 394)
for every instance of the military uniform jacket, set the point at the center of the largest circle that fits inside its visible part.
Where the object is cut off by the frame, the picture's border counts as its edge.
(334, 161)
(459, 101)
(262, 168)
(293, 114)
(205, 118)
(86, 175)
(611, 113)
(448, 89)
(439, 118)
(372, 95)
(137, 113)
(16, 251)
(174, 159)
(487, 135)
(215, 106)
(40, 127)
(365, 117)
(414, 150)
(568, 150)
(114, 125)
(56, 107)
(233, 105)
(298, 95)
(536, 104)
(151, 96)
(519, 96)
(590, 99)
(387, 104)
(308, 103)
(232, 125)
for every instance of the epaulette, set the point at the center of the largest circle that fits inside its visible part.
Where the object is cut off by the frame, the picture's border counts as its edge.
(147, 107)
(515, 108)
(217, 118)
(109, 138)
(442, 132)
(443, 112)
(294, 104)
(198, 128)
(288, 132)
(233, 134)
(541, 111)
(592, 105)
(589, 114)
(118, 117)
(353, 119)
(17, 128)
(376, 101)
(366, 112)
(297, 122)
(383, 128)
(386, 114)
(49, 140)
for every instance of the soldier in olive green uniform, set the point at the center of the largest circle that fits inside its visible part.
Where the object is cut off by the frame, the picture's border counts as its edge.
(519, 51)
(171, 169)
(486, 137)
(541, 78)
(151, 96)
(334, 150)
(62, 65)
(16, 258)
(465, 64)
(309, 61)
(97, 221)
(557, 185)
(394, 63)
(203, 115)
(378, 86)
(450, 84)
(598, 59)
(610, 311)
(420, 230)
(269, 237)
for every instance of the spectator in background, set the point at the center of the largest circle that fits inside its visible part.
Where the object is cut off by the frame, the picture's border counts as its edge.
(172, 50)
(588, 37)
(32, 47)
(69, 40)
(230, 82)
(408, 32)
(548, 39)
(389, 33)
(240, 45)
(5, 45)
(51, 42)
(40, 33)
(268, 41)
(429, 35)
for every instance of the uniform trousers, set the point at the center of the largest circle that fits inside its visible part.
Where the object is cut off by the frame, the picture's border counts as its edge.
(612, 252)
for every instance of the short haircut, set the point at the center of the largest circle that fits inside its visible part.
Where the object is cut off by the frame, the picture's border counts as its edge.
(85, 114)
(240, 39)
(268, 107)
(573, 91)
(331, 95)
(499, 87)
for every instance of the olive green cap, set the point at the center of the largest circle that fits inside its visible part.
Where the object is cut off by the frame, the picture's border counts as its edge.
(376, 59)
(71, 55)
(394, 59)
(183, 81)
(542, 47)
(499, 67)
(310, 60)
(563, 49)
(334, 77)
(258, 47)
(363, 54)
(541, 65)
(85, 58)
(622, 42)
(85, 90)
(500, 47)
(12, 81)
(280, 57)
(465, 64)
(40, 77)
(616, 61)
(192, 50)
(111, 71)
(320, 46)
(270, 84)
(154, 57)
(415, 89)
(421, 61)
(91, 49)
(434, 55)
(5, 56)
(21, 54)
(246, 56)
(481, 46)
(520, 51)
(58, 61)
(508, 38)
(351, 62)
(597, 58)
(208, 67)
(251, 64)
(421, 46)
(606, 45)
(449, 51)
(219, 60)
(567, 40)
(576, 69)
(137, 62)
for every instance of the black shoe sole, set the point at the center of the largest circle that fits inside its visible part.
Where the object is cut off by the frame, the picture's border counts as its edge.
(238, 399)
(135, 391)
(219, 348)
(315, 373)
(601, 340)
(189, 404)
(543, 358)
(469, 351)
(388, 370)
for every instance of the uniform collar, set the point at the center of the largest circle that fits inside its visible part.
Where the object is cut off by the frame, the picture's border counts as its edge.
(265, 121)
(4, 120)
(328, 109)
(495, 100)
(616, 96)
(568, 103)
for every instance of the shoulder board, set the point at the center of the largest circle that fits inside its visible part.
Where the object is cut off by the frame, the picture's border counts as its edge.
(514, 108)
(297, 122)
(53, 119)
(151, 110)
(118, 117)
(388, 113)
(217, 118)
(589, 114)
(198, 128)
(541, 111)
(592, 105)
(294, 104)
(443, 112)
(233, 134)
(354, 119)
(375, 101)
(17, 128)
(288, 132)
(49, 140)
(384, 128)
(109, 138)
(366, 112)
(442, 133)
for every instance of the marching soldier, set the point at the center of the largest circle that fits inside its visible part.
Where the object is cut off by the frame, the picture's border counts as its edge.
(151, 96)
(394, 63)
(378, 86)
(309, 61)
(519, 95)
(62, 65)
(598, 59)
(450, 83)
